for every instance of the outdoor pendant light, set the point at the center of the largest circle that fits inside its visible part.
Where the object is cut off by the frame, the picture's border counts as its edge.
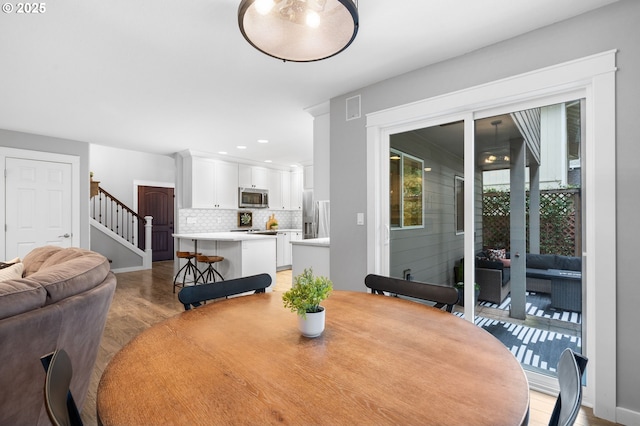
(299, 30)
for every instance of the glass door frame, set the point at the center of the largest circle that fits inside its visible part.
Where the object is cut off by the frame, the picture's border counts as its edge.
(591, 78)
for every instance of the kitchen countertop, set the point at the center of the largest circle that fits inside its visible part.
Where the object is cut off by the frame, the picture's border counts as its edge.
(317, 242)
(223, 236)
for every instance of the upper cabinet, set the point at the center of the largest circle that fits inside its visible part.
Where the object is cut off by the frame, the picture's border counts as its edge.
(296, 190)
(210, 183)
(279, 190)
(253, 177)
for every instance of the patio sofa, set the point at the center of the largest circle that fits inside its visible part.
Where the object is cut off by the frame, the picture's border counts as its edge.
(494, 279)
(61, 300)
(560, 276)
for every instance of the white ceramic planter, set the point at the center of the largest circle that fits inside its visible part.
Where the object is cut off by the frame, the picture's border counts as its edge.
(313, 325)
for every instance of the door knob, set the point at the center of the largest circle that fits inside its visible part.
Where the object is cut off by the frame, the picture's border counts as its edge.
(67, 235)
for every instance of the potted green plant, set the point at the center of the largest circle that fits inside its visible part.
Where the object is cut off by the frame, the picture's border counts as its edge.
(460, 286)
(304, 298)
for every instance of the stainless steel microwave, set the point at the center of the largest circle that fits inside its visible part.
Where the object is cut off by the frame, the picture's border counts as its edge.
(253, 198)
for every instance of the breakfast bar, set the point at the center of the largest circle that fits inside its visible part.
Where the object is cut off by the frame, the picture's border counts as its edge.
(244, 254)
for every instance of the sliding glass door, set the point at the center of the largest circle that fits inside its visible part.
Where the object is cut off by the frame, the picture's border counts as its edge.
(530, 266)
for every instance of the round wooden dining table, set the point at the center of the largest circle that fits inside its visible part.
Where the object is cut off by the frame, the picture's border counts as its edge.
(381, 360)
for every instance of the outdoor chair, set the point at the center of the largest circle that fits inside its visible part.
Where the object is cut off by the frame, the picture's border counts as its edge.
(58, 400)
(194, 296)
(443, 296)
(570, 370)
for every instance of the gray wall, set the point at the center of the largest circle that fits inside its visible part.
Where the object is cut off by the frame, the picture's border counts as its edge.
(58, 146)
(612, 27)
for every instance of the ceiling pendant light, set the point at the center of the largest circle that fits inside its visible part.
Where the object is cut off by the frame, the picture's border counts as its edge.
(299, 30)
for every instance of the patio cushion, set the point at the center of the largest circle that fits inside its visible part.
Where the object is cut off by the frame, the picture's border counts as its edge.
(568, 263)
(541, 261)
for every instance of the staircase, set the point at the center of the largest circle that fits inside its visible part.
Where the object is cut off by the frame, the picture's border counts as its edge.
(118, 232)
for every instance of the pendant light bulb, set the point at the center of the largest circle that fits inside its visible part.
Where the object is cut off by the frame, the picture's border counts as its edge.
(313, 19)
(263, 7)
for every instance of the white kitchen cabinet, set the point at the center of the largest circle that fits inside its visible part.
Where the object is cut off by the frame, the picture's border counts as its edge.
(210, 183)
(283, 247)
(225, 185)
(279, 190)
(296, 191)
(283, 250)
(253, 176)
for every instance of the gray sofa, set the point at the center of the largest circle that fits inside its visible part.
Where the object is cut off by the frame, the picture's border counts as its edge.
(560, 276)
(61, 301)
(494, 280)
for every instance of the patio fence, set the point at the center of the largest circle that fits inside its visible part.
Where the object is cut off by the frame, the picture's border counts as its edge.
(560, 218)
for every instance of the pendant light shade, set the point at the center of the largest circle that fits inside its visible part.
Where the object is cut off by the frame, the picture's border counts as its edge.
(299, 30)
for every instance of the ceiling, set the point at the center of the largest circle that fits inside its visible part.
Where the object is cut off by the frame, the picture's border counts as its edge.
(162, 76)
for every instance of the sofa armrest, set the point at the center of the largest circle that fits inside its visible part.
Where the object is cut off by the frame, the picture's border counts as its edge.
(492, 287)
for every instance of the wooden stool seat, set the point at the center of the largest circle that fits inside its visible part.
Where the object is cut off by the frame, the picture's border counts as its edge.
(186, 254)
(209, 274)
(209, 259)
(188, 268)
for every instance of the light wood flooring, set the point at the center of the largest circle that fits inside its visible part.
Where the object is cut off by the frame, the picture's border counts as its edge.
(144, 298)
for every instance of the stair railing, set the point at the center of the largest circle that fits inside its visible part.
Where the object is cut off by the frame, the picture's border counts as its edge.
(120, 219)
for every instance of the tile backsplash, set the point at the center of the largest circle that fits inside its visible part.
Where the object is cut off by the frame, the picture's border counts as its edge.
(210, 220)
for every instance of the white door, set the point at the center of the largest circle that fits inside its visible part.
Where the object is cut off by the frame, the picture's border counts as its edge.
(38, 205)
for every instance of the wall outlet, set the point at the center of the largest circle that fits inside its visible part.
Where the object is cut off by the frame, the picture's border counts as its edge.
(191, 220)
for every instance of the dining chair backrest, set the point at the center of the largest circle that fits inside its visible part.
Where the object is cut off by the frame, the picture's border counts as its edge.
(570, 369)
(442, 295)
(193, 296)
(58, 400)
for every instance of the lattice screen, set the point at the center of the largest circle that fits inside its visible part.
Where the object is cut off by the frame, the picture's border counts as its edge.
(559, 221)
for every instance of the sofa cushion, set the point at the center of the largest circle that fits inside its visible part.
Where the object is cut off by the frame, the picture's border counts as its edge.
(11, 272)
(541, 261)
(489, 264)
(496, 254)
(8, 263)
(568, 263)
(78, 271)
(62, 256)
(36, 257)
(20, 295)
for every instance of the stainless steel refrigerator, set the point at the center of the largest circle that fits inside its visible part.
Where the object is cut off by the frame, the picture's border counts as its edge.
(315, 216)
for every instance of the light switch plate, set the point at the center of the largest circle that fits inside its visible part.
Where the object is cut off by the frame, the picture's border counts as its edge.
(191, 220)
(359, 218)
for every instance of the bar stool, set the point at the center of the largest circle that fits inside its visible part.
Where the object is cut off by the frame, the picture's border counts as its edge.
(188, 268)
(209, 275)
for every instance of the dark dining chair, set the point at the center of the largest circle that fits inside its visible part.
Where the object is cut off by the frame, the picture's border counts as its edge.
(58, 400)
(570, 369)
(442, 295)
(194, 296)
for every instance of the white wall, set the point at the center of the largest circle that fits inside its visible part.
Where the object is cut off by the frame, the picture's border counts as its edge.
(118, 169)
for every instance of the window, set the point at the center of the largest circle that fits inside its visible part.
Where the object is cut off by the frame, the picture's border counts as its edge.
(405, 190)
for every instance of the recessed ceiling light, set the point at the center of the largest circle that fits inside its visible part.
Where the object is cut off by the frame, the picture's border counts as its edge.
(241, 147)
(295, 166)
(222, 152)
(263, 141)
(267, 161)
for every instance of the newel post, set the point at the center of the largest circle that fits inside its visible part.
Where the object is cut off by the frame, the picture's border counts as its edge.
(147, 241)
